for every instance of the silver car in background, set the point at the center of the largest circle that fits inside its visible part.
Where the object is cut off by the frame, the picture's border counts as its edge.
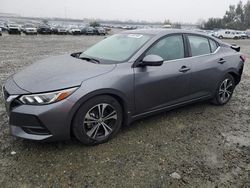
(125, 77)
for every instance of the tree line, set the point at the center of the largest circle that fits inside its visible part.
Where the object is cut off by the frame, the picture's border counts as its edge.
(237, 18)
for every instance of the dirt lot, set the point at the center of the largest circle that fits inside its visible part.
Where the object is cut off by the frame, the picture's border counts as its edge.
(207, 146)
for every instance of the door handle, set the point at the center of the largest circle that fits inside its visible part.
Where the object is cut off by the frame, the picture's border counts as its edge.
(222, 60)
(184, 69)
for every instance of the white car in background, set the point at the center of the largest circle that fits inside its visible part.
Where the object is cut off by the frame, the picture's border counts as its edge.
(0, 31)
(74, 30)
(228, 34)
(241, 34)
(30, 29)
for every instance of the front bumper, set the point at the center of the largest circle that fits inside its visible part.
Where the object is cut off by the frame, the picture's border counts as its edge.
(61, 32)
(14, 31)
(76, 32)
(31, 32)
(45, 32)
(44, 122)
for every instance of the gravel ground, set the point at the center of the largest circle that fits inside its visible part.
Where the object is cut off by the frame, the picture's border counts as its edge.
(199, 145)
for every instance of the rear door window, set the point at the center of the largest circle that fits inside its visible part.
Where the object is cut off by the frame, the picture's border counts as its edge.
(199, 45)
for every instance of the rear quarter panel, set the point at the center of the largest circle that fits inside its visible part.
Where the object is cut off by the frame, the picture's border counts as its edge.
(234, 63)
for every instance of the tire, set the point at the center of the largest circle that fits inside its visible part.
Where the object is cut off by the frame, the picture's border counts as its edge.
(224, 90)
(92, 128)
(221, 37)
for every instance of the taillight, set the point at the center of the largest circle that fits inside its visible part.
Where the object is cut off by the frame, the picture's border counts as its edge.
(243, 58)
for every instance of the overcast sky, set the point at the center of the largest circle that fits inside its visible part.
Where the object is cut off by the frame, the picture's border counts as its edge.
(149, 10)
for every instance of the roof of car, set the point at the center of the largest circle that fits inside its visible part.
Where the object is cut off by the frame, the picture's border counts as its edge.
(160, 31)
(163, 32)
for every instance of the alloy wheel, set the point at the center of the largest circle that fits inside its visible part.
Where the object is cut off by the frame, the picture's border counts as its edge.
(99, 121)
(226, 90)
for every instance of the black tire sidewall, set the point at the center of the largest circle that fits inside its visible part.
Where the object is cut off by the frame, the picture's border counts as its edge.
(78, 128)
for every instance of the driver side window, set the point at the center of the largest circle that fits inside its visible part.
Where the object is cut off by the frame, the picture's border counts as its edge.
(169, 48)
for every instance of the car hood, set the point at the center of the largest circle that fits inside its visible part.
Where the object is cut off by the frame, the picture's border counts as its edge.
(57, 73)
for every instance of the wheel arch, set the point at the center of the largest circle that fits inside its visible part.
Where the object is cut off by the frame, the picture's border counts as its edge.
(110, 92)
(236, 76)
(233, 73)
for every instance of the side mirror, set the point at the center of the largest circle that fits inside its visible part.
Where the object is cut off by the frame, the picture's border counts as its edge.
(152, 60)
(235, 47)
(76, 55)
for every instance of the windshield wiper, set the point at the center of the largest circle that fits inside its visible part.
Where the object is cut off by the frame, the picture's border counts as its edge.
(90, 59)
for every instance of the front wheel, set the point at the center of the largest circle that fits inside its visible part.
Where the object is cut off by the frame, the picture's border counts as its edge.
(98, 120)
(225, 90)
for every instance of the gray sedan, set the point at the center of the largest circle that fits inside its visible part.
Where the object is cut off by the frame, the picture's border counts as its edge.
(127, 76)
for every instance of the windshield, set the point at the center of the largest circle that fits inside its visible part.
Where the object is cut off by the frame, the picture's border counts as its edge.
(119, 47)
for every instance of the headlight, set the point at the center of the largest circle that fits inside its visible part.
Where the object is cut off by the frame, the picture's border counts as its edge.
(46, 98)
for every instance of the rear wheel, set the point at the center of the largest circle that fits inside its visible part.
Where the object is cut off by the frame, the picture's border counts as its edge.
(225, 90)
(97, 120)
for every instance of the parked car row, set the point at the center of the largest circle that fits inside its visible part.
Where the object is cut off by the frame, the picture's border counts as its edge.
(30, 29)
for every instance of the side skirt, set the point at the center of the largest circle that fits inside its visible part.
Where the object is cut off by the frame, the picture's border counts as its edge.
(168, 108)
